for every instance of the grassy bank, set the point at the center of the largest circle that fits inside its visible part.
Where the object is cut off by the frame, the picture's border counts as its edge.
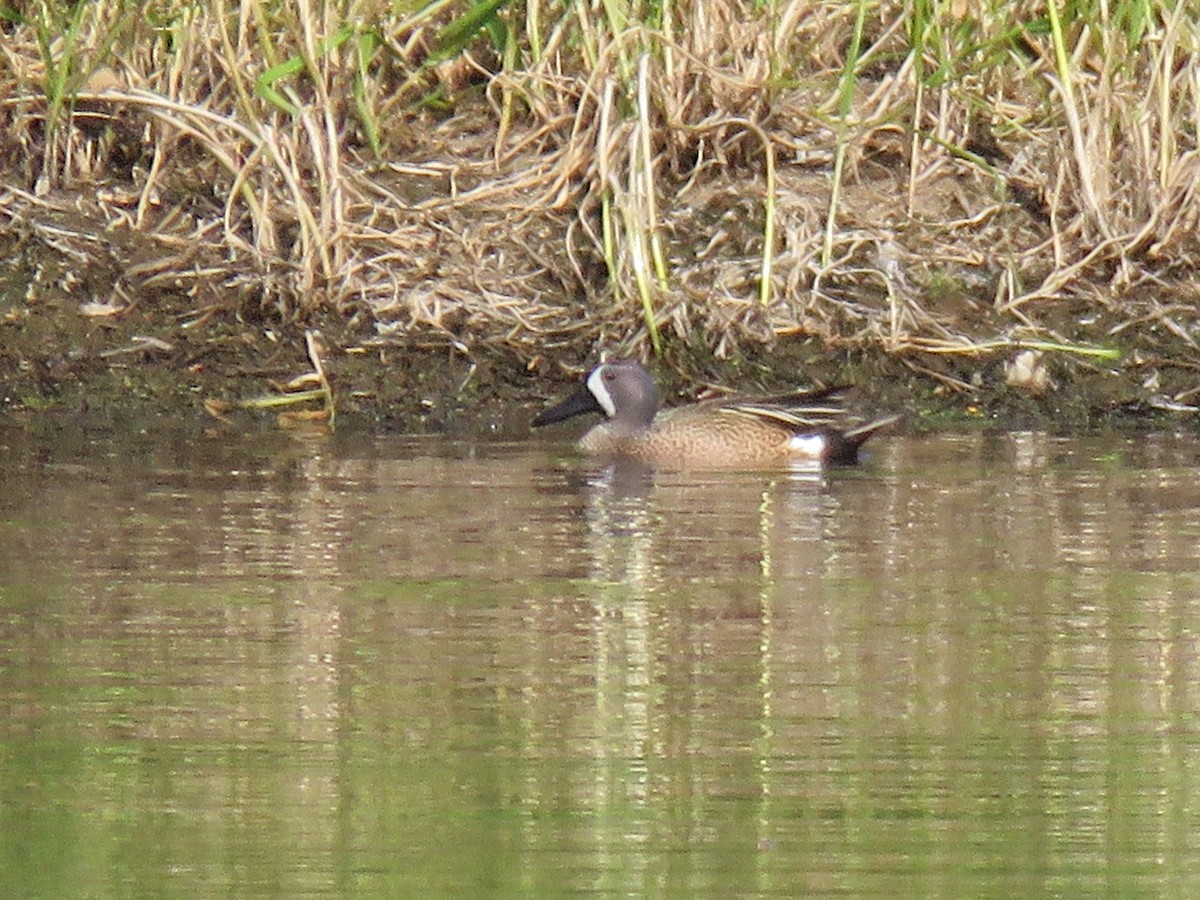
(951, 185)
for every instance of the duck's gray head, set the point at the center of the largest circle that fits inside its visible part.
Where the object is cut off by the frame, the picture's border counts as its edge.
(625, 391)
(622, 389)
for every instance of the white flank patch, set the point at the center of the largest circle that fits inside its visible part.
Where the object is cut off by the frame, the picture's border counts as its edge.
(595, 384)
(810, 445)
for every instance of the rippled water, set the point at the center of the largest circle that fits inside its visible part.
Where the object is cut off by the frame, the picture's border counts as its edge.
(277, 666)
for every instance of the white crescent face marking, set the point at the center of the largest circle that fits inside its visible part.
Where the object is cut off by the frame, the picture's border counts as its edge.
(809, 445)
(595, 384)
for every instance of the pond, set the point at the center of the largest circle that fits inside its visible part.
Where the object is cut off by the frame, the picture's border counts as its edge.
(279, 665)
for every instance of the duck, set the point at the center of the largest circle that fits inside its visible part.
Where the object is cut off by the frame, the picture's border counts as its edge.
(787, 429)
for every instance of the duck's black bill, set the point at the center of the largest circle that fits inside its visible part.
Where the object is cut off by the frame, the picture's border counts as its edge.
(577, 404)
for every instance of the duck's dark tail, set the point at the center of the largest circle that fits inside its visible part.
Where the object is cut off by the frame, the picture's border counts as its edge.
(843, 446)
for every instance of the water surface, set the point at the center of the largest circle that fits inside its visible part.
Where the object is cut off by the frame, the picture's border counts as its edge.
(276, 666)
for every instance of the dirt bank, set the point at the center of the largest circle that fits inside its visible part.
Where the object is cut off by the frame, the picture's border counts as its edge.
(977, 217)
(169, 360)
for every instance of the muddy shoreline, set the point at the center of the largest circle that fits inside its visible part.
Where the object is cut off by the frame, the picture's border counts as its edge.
(162, 365)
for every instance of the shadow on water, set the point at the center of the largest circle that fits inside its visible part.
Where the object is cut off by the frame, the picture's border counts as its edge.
(963, 668)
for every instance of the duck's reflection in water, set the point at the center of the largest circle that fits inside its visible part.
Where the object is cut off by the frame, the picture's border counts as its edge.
(714, 525)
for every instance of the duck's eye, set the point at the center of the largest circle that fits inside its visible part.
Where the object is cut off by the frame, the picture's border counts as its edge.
(610, 376)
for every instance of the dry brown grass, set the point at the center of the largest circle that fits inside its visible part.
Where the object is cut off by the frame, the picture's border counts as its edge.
(599, 183)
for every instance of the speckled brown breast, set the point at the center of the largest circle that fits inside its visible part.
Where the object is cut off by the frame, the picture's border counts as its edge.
(697, 437)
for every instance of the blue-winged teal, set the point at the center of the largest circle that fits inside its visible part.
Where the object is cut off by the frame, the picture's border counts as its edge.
(725, 432)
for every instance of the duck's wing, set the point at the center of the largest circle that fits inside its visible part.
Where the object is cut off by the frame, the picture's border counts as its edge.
(795, 410)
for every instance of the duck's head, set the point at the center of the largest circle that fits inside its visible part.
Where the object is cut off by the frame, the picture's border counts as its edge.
(622, 390)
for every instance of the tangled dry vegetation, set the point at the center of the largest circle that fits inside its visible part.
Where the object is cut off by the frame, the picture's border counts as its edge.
(926, 179)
